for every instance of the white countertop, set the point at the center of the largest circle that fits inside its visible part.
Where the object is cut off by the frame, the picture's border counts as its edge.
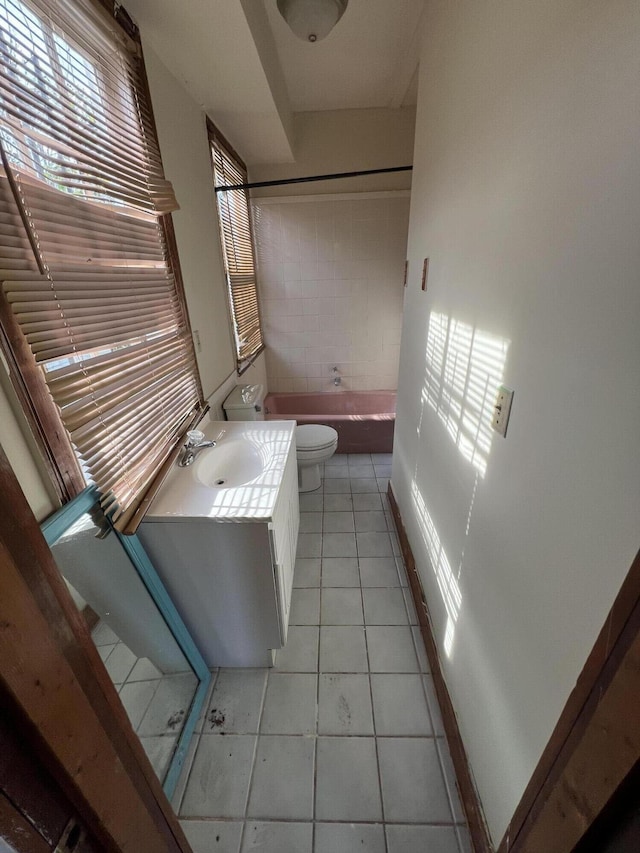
(184, 496)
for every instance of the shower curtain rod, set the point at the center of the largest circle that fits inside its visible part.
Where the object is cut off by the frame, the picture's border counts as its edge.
(255, 184)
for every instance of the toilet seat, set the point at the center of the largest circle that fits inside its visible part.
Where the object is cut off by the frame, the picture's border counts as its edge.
(312, 437)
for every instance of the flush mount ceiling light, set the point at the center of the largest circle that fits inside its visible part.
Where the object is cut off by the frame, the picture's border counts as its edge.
(312, 20)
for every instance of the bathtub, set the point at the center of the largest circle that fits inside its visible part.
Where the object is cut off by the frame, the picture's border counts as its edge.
(364, 420)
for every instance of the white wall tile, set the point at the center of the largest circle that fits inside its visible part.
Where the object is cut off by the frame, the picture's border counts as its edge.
(331, 292)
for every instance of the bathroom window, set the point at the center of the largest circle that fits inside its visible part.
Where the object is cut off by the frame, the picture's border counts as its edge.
(91, 305)
(236, 236)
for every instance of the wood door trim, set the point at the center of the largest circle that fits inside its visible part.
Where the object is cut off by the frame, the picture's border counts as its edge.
(53, 673)
(468, 794)
(609, 655)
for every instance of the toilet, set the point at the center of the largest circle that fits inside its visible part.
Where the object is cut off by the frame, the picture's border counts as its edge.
(315, 443)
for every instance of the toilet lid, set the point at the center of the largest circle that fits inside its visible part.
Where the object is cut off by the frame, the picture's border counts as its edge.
(315, 436)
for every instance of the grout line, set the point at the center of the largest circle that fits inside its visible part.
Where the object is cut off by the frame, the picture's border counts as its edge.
(254, 756)
(373, 716)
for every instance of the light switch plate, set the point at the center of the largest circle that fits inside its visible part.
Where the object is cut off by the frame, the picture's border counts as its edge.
(502, 410)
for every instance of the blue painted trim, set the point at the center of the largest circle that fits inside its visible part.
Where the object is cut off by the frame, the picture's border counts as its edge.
(55, 526)
(159, 594)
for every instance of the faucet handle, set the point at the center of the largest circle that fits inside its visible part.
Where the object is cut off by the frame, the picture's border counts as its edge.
(194, 437)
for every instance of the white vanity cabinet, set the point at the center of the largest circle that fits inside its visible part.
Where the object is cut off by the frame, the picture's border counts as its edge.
(229, 570)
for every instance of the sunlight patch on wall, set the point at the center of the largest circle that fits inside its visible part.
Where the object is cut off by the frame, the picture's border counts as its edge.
(464, 367)
(447, 581)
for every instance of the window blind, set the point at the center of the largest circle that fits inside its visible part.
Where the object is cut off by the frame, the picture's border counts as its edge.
(237, 244)
(84, 260)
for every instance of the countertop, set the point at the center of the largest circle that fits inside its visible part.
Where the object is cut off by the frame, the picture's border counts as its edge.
(184, 496)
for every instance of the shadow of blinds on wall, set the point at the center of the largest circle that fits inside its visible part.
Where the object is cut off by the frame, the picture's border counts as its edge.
(237, 245)
(84, 262)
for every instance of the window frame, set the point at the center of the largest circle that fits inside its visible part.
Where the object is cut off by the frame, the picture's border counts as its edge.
(215, 137)
(25, 375)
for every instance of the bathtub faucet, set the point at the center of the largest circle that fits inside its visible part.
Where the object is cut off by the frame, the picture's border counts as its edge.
(337, 379)
(193, 445)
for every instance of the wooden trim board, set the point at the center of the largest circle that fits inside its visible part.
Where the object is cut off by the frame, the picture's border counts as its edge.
(468, 795)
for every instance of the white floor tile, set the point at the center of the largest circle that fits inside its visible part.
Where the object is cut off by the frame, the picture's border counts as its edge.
(347, 786)
(301, 651)
(144, 670)
(338, 486)
(305, 607)
(136, 698)
(374, 545)
(360, 485)
(384, 607)
(391, 649)
(344, 705)
(450, 780)
(339, 545)
(309, 545)
(274, 837)
(399, 706)
(206, 836)
(169, 706)
(413, 789)
(367, 502)
(372, 521)
(423, 660)
(343, 649)
(102, 635)
(159, 751)
(338, 522)
(349, 837)
(338, 503)
(340, 571)
(341, 606)
(234, 707)
(378, 571)
(290, 705)
(311, 522)
(219, 782)
(311, 502)
(434, 707)
(306, 572)
(282, 785)
(120, 663)
(419, 839)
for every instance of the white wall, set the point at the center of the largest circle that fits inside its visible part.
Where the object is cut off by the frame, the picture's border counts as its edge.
(331, 272)
(526, 198)
(345, 141)
(20, 449)
(185, 155)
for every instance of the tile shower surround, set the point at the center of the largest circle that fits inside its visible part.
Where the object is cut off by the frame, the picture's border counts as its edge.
(330, 276)
(340, 746)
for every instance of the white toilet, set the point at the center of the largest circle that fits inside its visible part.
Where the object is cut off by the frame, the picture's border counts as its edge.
(315, 444)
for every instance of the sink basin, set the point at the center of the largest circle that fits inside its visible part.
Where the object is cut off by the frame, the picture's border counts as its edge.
(230, 464)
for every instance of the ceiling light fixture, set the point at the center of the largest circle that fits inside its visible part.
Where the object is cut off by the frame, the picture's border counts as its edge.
(312, 20)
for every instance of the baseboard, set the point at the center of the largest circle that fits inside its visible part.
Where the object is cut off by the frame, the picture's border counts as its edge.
(468, 794)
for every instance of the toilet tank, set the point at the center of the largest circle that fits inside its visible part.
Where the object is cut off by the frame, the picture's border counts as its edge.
(245, 403)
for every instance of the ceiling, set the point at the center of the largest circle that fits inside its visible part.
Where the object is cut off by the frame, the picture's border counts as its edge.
(240, 61)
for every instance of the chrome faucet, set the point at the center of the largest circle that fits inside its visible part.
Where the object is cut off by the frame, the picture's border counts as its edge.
(337, 379)
(193, 445)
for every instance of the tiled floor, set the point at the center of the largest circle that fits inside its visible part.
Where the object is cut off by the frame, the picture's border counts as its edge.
(156, 704)
(340, 747)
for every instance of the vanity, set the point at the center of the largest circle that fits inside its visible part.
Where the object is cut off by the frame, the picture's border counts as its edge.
(222, 535)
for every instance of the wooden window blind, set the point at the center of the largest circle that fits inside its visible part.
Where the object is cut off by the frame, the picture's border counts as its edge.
(90, 292)
(237, 245)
